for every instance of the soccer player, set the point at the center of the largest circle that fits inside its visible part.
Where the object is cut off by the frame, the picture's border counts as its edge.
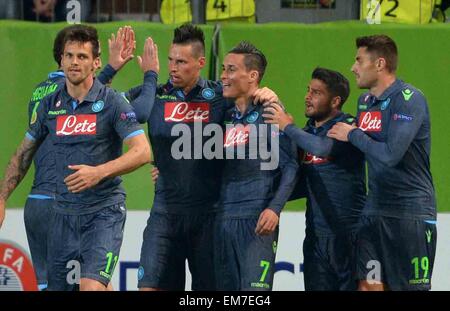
(182, 216)
(86, 123)
(253, 192)
(182, 212)
(41, 198)
(332, 178)
(397, 241)
(38, 207)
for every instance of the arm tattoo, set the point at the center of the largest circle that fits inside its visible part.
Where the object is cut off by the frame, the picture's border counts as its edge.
(18, 167)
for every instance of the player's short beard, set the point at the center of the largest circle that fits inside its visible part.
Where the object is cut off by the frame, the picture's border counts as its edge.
(81, 79)
(320, 115)
(76, 82)
(367, 83)
(363, 85)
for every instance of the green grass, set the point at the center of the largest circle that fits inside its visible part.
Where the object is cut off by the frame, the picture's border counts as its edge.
(292, 50)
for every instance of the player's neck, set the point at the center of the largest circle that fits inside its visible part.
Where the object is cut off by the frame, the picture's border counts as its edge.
(190, 86)
(242, 102)
(383, 83)
(80, 91)
(332, 115)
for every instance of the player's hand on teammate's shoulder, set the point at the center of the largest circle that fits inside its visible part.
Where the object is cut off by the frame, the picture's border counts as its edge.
(275, 114)
(340, 131)
(264, 95)
(83, 178)
(121, 47)
(267, 222)
(149, 59)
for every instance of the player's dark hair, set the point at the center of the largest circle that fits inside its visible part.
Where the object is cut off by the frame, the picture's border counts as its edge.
(58, 43)
(336, 83)
(190, 34)
(254, 59)
(83, 34)
(381, 46)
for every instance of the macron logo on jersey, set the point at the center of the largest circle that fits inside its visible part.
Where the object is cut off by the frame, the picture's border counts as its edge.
(186, 112)
(237, 135)
(80, 124)
(370, 121)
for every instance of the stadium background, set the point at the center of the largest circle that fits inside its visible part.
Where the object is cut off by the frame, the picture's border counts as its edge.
(293, 51)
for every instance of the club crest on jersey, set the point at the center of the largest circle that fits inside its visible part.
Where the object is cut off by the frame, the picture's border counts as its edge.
(208, 93)
(98, 106)
(252, 117)
(186, 112)
(370, 121)
(385, 104)
(80, 124)
(237, 135)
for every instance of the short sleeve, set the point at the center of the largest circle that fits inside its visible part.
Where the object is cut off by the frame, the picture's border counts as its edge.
(124, 119)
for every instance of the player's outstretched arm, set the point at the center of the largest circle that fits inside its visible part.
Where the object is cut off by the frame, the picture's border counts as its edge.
(149, 64)
(86, 176)
(408, 116)
(149, 59)
(121, 47)
(400, 133)
(16, 170)
(317, 145)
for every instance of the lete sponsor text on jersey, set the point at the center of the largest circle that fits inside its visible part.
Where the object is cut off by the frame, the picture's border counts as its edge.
(236, 135)
(80, 124)
(370, 121)
(186, 112)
